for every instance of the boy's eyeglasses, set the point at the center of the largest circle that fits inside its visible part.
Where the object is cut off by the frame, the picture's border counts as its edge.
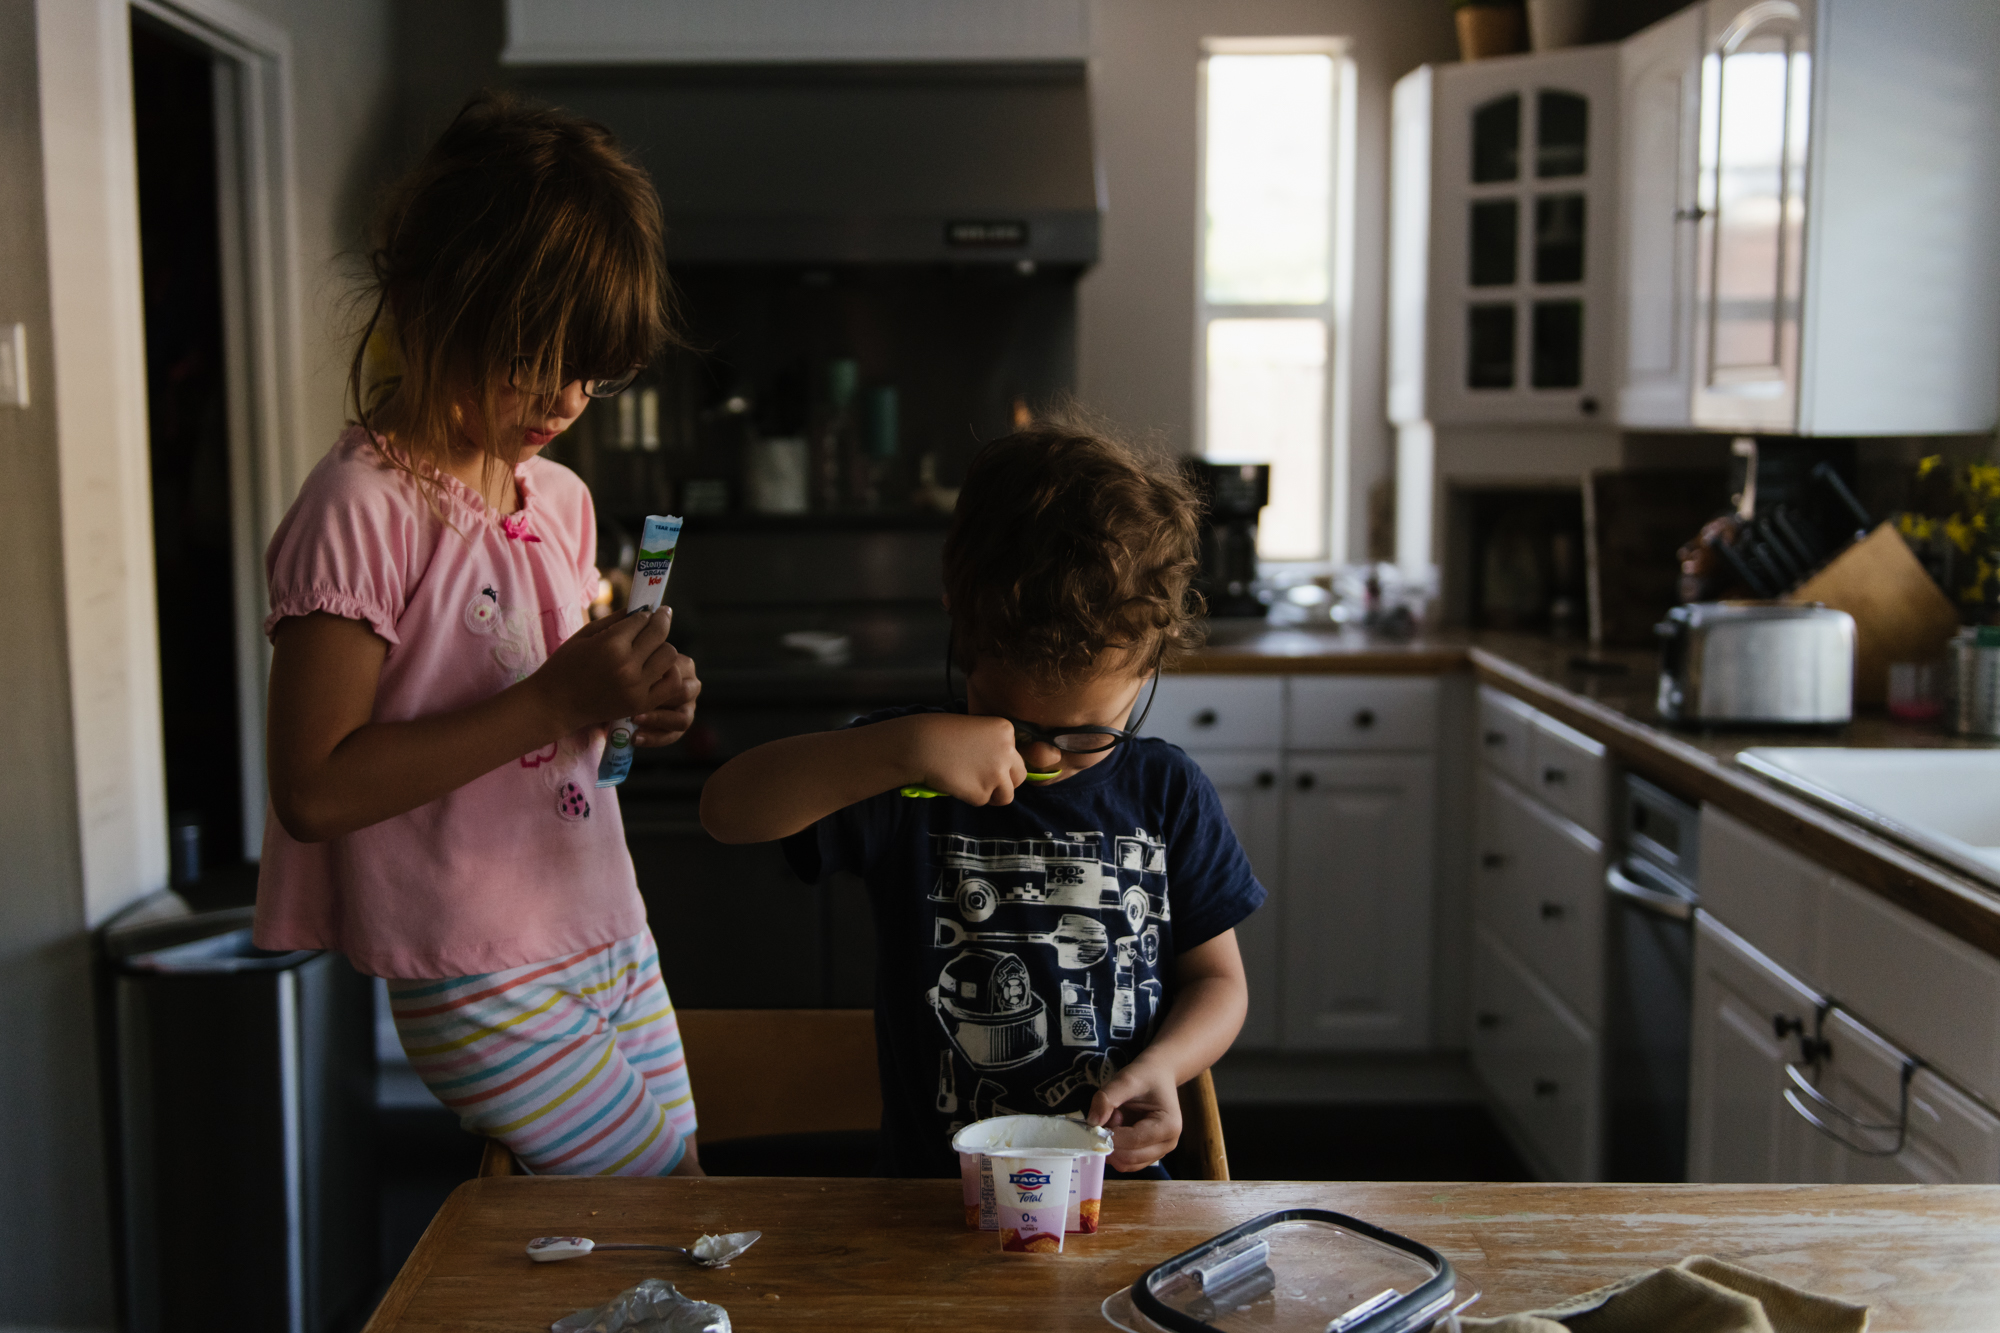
(1070, 740)
(594, 386)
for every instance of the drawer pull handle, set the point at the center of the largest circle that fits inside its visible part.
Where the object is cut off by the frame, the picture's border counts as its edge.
(1495, 739)
(1552, 911)
(1554, 777)
(1207, 717)
(1267, 780)
(1365, 718)
(1493, 860)
(1486, 1020)
(1304, 781)
(1547, 1087)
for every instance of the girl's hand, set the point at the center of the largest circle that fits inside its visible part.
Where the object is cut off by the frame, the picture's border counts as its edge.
(1142, 1107)
(667, 724)
(614, 668)
(972, 758)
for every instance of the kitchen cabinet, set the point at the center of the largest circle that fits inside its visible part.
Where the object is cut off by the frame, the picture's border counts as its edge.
(1537, 1060)
(1808, 216)
(1247, 782)
(1933, 994)
(1330, 783)
(1788, 1087)
(1515, 162)
(1751, 1020)
(1357, 924)
(1541, 808)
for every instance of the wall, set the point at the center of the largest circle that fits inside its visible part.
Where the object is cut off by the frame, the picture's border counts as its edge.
(55, 1259)
(53, 1241)
(1136, 308)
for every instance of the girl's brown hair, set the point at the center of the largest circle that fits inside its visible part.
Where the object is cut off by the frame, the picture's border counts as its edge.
(1072, 552)
(524, 248)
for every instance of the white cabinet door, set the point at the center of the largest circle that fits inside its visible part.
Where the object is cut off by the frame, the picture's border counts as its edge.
(1247, 782)
(1358, 838)
(1660, 113)
(1506, 731)
(1572, 774)
(1756, 110)
(1750, 1018)
(1363, 713)
(1537, 1060)
(1523, 239)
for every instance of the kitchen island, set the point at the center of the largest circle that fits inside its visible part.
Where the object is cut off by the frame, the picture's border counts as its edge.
(879, 1254)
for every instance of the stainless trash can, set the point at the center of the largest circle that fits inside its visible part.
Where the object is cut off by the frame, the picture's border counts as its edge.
(242, 1095)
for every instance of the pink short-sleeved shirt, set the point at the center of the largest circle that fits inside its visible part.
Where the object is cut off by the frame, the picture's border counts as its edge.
(523, 864)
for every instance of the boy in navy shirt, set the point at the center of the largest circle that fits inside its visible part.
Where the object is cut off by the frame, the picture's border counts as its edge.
(1055, 897)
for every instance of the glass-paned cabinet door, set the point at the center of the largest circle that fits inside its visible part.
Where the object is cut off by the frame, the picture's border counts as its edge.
(1756, 101)
(1522, 169)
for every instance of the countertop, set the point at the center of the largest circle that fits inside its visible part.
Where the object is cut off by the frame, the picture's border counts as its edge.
(877, 1254)
(1609, 695)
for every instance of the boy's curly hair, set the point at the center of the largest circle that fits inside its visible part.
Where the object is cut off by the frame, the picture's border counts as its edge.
(1071, 552)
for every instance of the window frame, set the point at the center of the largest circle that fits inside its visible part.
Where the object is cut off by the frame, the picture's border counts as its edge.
(1335, 312)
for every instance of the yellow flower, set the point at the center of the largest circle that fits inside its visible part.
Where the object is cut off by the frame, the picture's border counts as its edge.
(1917, 527)
(1975, 591)
(1983, 479)
(1959, 531)
(1929, 465)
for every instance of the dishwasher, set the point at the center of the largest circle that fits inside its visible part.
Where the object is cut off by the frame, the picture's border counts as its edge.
(1649, 984)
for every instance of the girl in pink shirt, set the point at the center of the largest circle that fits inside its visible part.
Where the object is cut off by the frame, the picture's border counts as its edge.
(438, 695)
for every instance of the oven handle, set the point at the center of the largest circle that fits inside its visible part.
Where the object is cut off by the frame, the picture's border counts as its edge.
(1669, 905)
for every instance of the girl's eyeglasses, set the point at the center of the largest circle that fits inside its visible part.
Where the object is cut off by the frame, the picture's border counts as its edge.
(594, 386)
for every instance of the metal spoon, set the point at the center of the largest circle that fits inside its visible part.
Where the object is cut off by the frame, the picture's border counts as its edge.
(708, 1252)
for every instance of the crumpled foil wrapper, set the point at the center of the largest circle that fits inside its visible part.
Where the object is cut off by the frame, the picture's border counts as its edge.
(651, 1307)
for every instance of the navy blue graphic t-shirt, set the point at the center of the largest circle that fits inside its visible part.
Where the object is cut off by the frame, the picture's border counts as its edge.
(1025, 952)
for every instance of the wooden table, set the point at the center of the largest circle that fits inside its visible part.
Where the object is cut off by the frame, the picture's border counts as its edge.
(895, 1254)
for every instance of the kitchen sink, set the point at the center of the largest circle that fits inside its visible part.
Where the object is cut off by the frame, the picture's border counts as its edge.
(1944, 803)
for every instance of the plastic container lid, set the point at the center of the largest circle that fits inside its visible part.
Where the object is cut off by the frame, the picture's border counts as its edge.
(1299, 1269)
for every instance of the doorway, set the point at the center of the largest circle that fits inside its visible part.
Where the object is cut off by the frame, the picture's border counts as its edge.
(194, 556)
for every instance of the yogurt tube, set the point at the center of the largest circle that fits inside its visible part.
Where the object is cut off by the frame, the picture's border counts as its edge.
(649, 589)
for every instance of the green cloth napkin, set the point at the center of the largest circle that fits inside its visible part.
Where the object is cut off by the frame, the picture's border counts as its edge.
(1697, 1295)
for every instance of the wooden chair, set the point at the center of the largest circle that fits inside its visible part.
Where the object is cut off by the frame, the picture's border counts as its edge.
(760, 1072)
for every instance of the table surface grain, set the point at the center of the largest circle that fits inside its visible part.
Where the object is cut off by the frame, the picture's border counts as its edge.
(894, 1254)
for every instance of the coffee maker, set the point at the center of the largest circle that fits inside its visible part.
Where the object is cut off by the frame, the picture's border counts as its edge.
(1235, 494)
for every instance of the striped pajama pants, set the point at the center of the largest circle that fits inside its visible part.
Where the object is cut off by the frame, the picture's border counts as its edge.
(574, 1063)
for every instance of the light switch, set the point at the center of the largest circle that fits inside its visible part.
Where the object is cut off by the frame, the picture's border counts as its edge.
(13, 365)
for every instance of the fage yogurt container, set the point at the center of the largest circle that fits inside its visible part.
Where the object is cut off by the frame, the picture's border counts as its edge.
(993, 1153)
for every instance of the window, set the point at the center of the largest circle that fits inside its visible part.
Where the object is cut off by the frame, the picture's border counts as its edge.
(1272, 290)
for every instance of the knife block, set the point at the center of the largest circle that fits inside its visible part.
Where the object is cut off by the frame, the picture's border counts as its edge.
(1900, 615)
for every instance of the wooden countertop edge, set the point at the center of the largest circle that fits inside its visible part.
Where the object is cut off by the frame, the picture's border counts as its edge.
(1428, 660)
(1956, 906)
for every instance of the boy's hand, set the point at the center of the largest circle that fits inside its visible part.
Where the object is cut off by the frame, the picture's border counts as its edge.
(972, 758)
(1142, 1107)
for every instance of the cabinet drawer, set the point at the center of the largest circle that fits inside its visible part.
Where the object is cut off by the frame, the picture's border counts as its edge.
(1570, 771)
(1536, 1060)
(1219, 712)
(1764, 892)
(1539, 887)
(1935, 996)
(1363, 713)
(1505, 727)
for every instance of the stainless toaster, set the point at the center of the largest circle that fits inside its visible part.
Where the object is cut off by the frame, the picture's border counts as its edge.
(1757, 662)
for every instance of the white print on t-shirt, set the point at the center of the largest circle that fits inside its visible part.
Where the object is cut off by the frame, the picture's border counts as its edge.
(1082, 930)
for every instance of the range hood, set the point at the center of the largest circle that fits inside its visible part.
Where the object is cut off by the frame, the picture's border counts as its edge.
(803, 166)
